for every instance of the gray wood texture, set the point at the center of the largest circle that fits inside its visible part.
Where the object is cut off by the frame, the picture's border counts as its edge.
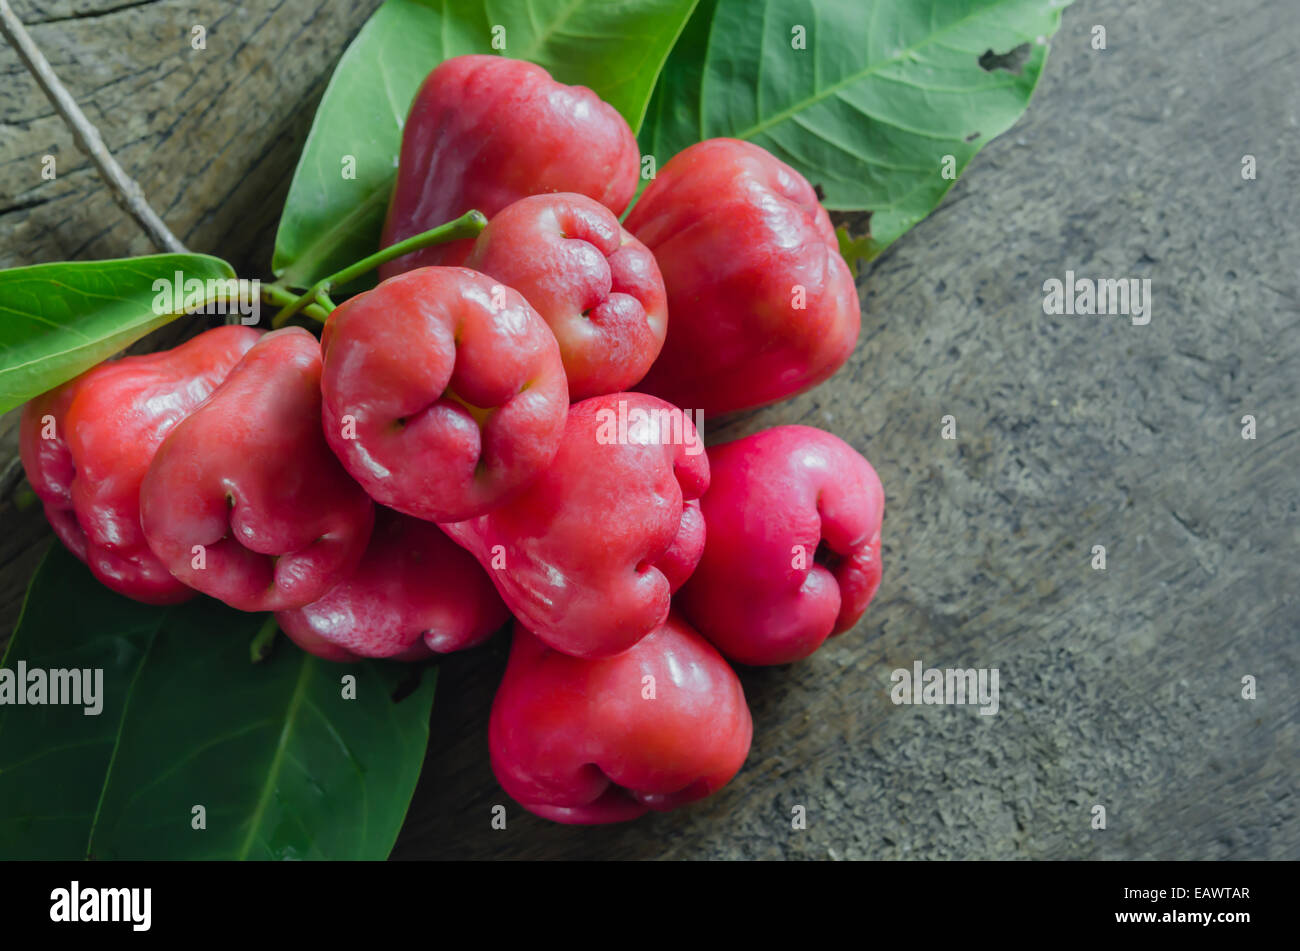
(1119, 687)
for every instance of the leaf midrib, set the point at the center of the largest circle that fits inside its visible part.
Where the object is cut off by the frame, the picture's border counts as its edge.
(277, 761)
(117, 739)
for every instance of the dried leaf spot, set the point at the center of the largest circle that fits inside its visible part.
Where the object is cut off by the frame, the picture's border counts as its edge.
(1012, 61)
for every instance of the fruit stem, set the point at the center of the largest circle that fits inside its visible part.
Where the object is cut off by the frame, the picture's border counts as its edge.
(281, 296)
(316, 299)
(263, 640)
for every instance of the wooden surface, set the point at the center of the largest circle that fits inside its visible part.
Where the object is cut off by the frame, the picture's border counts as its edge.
(1119, 687)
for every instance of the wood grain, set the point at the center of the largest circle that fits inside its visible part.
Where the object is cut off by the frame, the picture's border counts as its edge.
(1119, 687)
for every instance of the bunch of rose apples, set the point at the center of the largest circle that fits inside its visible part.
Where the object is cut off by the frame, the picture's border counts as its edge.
(510, 426)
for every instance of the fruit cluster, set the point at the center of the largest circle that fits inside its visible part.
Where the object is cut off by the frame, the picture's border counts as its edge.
(464, 444)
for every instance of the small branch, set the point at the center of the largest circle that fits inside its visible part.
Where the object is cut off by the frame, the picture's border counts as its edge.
(125, 190)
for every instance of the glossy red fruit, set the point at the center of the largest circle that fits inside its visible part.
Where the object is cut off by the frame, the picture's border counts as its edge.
(762, 305)
(597, 287)
(105, 427)
(444, 394)
(792, 554)
(244, 500)
(415, 593)
(587, 555)
(595, 741)
(485, 131)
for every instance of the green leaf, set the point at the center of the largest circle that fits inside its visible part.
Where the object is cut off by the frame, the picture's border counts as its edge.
(616, 48)
(58, 320)
(673, 116)
(283, 765)
(853, 249)
(885, 97)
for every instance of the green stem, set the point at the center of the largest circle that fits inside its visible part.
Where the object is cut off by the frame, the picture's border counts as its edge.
(281, 296)
(263, 640)
(467, 225)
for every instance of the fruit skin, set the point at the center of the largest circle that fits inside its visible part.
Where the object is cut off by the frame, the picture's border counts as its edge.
(48, 462)
(735, 231)
(457, 402)
(597, 287)
(578, 741)
(415, 593)
(484, 131)
(109, 423)
(684, 553)
(248, 476)
(774, 497)
(589, 552)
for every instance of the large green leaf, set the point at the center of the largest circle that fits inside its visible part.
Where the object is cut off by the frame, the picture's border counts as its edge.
(57, 320)
(883, 92)
(615, 47)
(284, 766)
